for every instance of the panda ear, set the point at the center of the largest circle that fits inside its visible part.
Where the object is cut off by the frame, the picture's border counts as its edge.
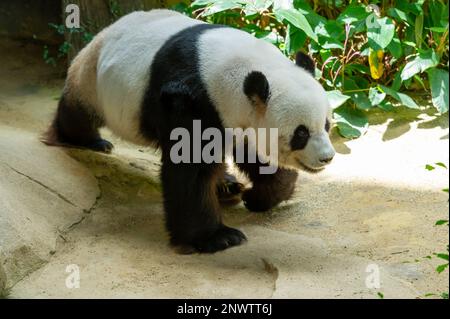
(175, 95)
(256, 87)
(306, 62)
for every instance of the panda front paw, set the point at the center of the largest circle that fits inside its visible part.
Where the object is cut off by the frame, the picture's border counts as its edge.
(224, 237)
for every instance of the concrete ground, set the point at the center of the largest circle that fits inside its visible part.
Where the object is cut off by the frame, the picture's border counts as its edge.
(371, 212)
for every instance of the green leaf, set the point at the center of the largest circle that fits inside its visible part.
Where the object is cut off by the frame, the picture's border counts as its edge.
(395, 47)
(413, 7)
(361, 100)
(330, 29)
(201, 3)
(409, 43)
(376, 96)
(441, 222)
(439, 89)
(353, 13)
(425, 60)
(399, 14)
(386, 106)
(255, 6)
(219, 6)
(397, 83)
(358, 68)
(297, 19)
(295, 39)
(380, 295)
(402, 98)
(380, 33)
(441, 165)
(438, 29)
(336, 98)
(442, 256)
(418, 29)
(352, 123)
(429, 167)
(441, 268)
(419, 80)
(438, 13)
(355, 87)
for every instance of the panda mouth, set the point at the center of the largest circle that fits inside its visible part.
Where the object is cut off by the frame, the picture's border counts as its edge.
(309, 169)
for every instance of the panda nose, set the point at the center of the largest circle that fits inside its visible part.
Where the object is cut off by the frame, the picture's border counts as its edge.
(326, 160)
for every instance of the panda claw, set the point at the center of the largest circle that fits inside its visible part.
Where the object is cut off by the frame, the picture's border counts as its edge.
(229, 191)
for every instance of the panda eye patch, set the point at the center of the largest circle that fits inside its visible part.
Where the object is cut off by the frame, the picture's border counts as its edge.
(300, 138)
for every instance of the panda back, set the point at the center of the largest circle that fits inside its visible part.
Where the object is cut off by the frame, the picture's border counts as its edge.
(124, 66)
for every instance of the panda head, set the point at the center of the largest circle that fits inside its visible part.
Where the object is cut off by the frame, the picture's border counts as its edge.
(291, 99)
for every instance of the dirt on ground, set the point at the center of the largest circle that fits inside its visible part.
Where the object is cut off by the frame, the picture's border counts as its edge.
(371, 215)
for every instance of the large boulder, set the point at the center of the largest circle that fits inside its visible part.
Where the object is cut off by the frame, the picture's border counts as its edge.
(43, 191)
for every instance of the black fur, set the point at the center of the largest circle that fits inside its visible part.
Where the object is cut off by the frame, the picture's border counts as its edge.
(306, 62)
(257, 86)
(175, 97)
(268, 190)
(73, 125)
(327, 125)
(300, 138)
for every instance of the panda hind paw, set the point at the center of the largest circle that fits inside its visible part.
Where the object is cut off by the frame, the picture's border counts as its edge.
(101, 145)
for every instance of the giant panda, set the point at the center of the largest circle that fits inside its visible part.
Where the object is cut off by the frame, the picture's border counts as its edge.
(151, 72)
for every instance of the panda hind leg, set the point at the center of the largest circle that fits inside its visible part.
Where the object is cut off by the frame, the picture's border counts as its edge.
(75, 125)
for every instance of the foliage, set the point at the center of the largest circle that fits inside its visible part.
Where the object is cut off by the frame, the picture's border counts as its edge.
(65, 46)
(368, 55)
(443, 255)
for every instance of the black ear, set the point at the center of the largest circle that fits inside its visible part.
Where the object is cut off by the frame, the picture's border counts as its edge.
(306, 62)
(256, 87)
(175, 95)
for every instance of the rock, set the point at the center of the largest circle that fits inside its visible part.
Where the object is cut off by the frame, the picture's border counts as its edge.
(43, 192)
(2, 277)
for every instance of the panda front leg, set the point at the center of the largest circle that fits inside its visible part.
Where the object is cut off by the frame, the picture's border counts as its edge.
(268, 190)
(192, 208)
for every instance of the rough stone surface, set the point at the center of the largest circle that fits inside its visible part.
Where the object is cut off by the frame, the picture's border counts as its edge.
(37, 202)
(372, 211)
(2, 277)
